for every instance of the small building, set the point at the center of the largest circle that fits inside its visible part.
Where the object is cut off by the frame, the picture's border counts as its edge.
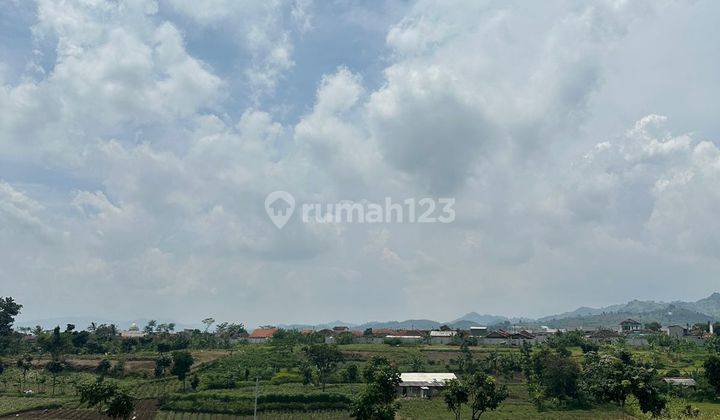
(676, 331)
(422, 384)
(442, 337)
(404, 339)
(684, 382)
(478, 331)
(518, 338)
(497, 337)
(261, 335)
(132, 332)
(603, 336)
(630, 325)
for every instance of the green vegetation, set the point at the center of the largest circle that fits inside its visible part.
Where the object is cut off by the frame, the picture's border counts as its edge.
(199, 374)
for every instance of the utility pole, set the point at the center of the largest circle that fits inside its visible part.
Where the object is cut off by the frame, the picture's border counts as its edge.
(257, 383)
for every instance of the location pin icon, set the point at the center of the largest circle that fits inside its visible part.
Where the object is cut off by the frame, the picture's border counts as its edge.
(279, 206)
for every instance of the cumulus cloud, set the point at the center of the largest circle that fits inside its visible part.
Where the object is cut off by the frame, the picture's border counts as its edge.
(259, 28)
(128, 168)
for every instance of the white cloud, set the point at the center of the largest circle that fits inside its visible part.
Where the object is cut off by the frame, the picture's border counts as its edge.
(129, 167)
(259, 28)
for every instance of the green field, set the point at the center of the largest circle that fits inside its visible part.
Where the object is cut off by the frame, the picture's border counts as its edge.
(226, 389)
(9, 405)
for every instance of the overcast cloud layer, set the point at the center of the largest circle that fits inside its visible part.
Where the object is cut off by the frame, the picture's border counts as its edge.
(138, 140)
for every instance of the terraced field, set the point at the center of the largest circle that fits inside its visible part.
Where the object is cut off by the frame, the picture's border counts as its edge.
(144, 410)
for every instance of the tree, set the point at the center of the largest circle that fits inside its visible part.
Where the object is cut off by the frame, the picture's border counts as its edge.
(712, 371)
(484, 394)
(162, 363)
(604, 378)
(306, 370)
(208, 322)
(377, 400)
(103, 368)
(194, 382)
(107, 398)
(375, 363)
(455, 396)
(54, 367)
(228, 332)
(350, 374)
(121, 405)
(150, 327)
(9, 309)
(650, 391)
(713, 343)
(556, 373)
(325, 358)
(653, 326)
(417, 364)
(24, 363)
(182, 361)
(54, 344)
(613, 377)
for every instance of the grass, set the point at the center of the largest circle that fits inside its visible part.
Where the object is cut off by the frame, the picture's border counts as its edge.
(12, 405)
(265, 361)
(412, 409)
(267, 415)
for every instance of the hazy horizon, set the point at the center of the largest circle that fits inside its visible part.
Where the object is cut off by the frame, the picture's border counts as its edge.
(140, 140)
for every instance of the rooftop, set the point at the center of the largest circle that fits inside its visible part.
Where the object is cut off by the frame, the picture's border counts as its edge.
(425, 378)
(263, 332)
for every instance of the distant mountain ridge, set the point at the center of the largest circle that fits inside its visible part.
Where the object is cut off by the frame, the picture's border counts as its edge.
(676, 312)
(702, 310)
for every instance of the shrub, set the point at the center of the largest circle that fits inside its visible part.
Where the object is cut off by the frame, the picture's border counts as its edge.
(286, 378)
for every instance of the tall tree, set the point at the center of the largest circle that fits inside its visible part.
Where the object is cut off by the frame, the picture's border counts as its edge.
(107, 398)
(24, 363)
(182, 361)
(455, 396)
(208, 322)
(54, 367)
(377, 399)
(712, 372)
(8, 311)
(484, 394)
(325, 358)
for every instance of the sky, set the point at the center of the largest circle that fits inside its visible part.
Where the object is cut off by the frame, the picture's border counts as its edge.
(139, 140)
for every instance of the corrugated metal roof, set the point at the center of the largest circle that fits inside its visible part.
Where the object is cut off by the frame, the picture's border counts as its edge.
(425, 378)
(680, 381)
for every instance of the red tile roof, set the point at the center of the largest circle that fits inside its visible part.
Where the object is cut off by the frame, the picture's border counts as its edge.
(263, 332)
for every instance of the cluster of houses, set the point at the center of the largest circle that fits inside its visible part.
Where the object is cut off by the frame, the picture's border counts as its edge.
(629, 330)
(632, 332)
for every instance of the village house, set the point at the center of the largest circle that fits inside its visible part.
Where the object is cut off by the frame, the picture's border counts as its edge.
(422, 384)
(603, 336)
(405, 339)
(261, 335)
(518, 338)
(676, 331)
(683, 382)
(478, 331)
(496, 337)
(630, 325)
(132, 332)
(442, 337)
